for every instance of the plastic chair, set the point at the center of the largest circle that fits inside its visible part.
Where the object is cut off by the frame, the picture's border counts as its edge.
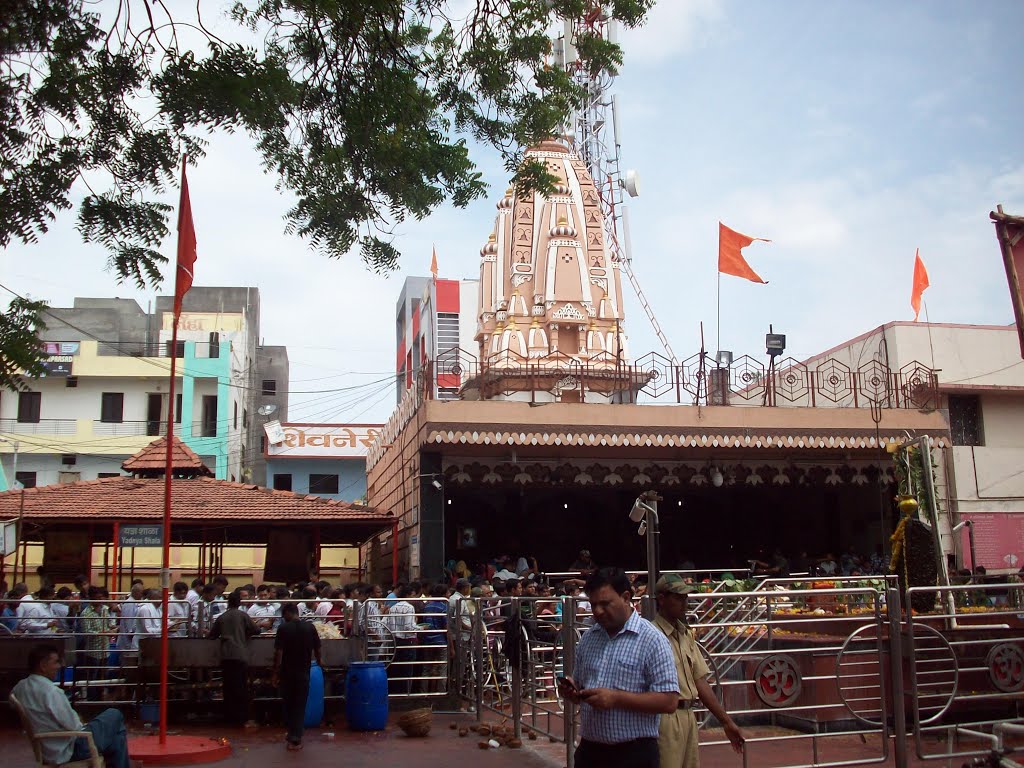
(95, 760)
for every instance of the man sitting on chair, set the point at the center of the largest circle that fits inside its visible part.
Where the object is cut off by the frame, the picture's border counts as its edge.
(47, 709)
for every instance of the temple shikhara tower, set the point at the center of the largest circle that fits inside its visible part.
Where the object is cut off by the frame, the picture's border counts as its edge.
(551, 309)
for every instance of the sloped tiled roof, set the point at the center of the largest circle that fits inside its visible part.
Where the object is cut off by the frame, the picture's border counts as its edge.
(200, 499)
(154, 458)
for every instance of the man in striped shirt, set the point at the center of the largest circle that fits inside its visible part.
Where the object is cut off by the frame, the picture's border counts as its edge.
(625, 678)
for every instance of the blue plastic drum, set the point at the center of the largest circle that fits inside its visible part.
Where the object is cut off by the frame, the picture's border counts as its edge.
(366, 696)
(315, 700)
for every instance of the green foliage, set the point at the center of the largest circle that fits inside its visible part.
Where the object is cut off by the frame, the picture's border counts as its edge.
(908, 467)
(361, 108)
(19, 345)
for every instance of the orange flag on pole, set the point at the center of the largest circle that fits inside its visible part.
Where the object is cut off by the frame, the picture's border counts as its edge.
(433, 261)
(186, 244)
(730, 258)
(920, 283)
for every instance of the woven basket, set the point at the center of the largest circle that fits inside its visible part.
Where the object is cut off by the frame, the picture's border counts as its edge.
(416, 722)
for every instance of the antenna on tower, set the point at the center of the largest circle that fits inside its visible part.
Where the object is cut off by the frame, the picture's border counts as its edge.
(601, 152)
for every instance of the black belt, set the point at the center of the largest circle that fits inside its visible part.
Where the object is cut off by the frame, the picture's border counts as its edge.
(688, 703)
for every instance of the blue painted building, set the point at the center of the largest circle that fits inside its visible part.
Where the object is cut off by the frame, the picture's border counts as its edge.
(327, 460)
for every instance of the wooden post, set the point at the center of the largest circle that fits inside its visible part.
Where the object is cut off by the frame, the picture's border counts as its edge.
(115, 578)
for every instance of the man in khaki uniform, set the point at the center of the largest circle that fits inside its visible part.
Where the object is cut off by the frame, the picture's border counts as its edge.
(677, 741)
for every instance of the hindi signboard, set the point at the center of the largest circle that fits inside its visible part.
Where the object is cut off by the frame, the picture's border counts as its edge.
(335, 441)
(141, 535)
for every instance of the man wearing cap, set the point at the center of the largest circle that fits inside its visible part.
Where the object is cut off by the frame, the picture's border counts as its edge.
(677, 742)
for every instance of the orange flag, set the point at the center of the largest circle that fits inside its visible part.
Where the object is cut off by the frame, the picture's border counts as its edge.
(186, 245)
(433, 261)
(920, 283)
(730, 258)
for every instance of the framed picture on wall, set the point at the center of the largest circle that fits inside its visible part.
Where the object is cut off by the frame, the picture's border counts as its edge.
(467, 537)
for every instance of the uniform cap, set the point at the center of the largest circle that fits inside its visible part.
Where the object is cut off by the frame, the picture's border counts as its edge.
(674, 583)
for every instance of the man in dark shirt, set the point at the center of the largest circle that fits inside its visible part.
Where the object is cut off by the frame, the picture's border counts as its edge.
(234, 627)
(296, 642)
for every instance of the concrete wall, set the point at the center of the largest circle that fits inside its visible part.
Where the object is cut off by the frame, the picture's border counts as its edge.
(70, 416)
(272, 364)
(983, 482)
(351, 475)
(115, 320)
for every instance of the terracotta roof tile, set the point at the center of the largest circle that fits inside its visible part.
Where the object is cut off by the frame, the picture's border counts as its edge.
(154, 457)
(193, 499)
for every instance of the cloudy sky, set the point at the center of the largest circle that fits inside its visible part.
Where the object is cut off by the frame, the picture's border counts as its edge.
(847, 133)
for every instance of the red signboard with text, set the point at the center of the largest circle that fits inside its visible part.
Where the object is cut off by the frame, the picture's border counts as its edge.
(998, 540)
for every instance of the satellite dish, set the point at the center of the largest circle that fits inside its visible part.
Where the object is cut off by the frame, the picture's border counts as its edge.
(266, 410)
(632, 183)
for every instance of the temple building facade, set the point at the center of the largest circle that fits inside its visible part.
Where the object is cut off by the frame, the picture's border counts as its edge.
(558, 426)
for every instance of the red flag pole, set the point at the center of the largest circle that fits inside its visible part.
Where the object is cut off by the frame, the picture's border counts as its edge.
(165, 573)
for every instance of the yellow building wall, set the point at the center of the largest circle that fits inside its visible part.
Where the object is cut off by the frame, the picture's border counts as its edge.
(242, 565)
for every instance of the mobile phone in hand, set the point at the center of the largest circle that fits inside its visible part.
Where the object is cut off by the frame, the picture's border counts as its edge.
(570, 684)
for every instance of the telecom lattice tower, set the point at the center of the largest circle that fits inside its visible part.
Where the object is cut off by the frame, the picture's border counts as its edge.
(594, 135)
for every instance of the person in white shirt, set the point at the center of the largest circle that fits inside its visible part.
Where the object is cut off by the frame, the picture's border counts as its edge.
(195, 592)
(47, 709)
(148, 618)
(324, 606)
(126, 626)
(33, 615)
(263, 612)
(372, 619)
(178, 610)
(401, 620)
(459, 611)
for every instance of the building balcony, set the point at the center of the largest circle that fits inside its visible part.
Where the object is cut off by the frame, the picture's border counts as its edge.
(41, 427)
(132, 428)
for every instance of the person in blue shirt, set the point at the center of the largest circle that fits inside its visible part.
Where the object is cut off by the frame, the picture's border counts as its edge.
(625, 678)
(435, 621)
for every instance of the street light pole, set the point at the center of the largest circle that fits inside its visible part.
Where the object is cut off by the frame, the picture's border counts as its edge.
(645, 512)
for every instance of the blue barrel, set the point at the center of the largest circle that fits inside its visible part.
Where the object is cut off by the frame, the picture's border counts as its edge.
(366, 696)
(315, 700)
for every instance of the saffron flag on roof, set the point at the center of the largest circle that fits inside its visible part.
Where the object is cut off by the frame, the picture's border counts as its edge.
(186, 245)
(920, 283)
(433, 261)
(730, 258)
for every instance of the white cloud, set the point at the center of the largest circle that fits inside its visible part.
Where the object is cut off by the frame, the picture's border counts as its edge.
(672, 27)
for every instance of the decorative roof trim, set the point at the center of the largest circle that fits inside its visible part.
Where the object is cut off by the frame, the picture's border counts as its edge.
(642, 440)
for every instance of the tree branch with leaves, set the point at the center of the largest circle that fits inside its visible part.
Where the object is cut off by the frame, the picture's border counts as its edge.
(364, 110)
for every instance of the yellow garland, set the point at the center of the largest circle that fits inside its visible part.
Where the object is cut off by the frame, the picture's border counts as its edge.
(898, 539)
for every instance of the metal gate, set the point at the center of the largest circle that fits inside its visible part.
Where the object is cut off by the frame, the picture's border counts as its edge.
(843, 676)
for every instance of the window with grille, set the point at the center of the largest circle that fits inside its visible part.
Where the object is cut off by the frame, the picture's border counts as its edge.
(323, 484)
(28, 407)
(269, 387)
(112, 407)
(447, 331)
(965, 423)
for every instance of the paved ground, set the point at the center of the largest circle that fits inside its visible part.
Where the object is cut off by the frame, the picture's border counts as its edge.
(444, 748)
(264, 748)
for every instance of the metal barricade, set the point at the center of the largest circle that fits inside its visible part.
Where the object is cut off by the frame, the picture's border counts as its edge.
(965, 668)
(818, 674)
(414, 643)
